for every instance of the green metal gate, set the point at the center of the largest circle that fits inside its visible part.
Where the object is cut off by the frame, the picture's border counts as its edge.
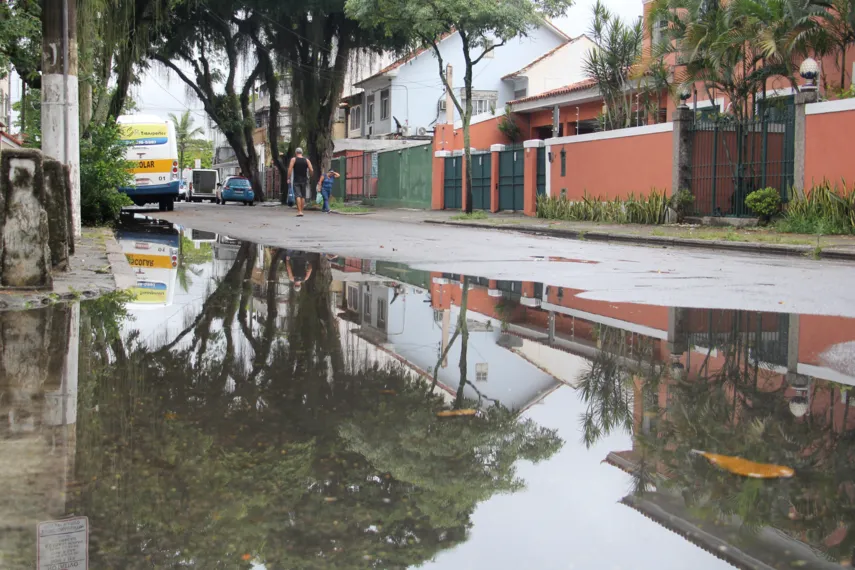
(731, 159)
(453, 184)
(541, 171)
(511, 179)
(481, 174)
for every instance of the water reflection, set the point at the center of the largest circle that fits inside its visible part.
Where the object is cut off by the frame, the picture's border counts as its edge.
(278, 409)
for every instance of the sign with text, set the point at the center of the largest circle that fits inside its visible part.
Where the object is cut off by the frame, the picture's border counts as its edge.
(63, 544)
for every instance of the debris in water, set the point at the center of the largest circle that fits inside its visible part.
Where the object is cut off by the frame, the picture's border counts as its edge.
(746, 468)
(456, 413)
(388, 392)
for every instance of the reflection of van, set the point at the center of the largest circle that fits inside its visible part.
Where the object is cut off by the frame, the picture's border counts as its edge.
(151, 249)
(203, 185)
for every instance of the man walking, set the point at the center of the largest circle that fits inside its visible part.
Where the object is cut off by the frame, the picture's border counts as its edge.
(302, 169)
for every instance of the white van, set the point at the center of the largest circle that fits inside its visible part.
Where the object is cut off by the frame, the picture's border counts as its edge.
(203, 185)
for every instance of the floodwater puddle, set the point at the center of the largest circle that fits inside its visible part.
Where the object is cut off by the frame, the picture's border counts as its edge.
(263, 408)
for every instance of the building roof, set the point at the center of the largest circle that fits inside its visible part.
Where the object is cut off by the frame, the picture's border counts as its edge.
(401, 61)
(542, 57)
(411, 56)
(573, 87)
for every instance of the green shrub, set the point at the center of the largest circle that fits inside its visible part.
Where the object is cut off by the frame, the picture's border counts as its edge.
(824, 210)
(683, 203)
(648, 209)
(765, 203)
(103, 170)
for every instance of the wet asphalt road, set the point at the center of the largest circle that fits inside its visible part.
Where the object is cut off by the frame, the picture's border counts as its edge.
(617, 273)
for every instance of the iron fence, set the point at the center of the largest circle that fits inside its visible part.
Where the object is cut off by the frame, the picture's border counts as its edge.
(731, 159)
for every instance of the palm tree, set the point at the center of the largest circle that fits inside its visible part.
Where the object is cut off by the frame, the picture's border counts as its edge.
(185, 132)
(838, 25)
(735, 49)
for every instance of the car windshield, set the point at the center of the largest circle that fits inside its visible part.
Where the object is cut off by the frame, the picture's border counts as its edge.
(239, 183)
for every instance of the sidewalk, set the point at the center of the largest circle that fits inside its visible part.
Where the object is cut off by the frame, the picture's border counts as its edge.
(98, 266)
(751, 240)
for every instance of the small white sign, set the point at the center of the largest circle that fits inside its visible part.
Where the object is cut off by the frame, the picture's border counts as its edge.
(198, 163)
(63, 544)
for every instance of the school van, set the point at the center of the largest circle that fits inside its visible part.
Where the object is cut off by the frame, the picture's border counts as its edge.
(152, 150)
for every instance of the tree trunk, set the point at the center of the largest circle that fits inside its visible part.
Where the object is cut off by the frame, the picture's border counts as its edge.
(467, 146)
(464, 344)
(842, 67)
(85, 106)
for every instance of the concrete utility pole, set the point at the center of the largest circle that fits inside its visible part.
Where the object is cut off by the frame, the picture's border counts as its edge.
(60, 107)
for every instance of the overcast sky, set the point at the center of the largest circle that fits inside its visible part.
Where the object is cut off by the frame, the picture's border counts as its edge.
(161, 92)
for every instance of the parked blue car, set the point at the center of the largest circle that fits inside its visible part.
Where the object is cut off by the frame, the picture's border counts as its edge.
(237, 189)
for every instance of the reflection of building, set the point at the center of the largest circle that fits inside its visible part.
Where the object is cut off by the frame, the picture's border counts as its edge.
(401, 319)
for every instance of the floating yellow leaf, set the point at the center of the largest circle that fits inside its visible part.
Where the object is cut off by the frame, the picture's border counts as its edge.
(388, 392)
(746, 468)
(456, 413)
(246, 557)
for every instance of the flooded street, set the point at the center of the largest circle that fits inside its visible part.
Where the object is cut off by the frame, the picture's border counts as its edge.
(256, 407)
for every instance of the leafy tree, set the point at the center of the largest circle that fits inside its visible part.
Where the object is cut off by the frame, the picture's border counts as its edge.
(202, 149)
(736, 48)
(206, 39)
(21, 39)
(611, 63)
(482, 27)
(103, 170)
(838, 27)
(29, 119)
(185, 134)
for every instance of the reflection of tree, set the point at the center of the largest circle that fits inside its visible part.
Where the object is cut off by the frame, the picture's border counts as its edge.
(739, 409)
(607, 384)
(191, 455)
(188, 258)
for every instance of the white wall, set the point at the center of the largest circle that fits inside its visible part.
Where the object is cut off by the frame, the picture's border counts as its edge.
(417, 88)
(561, 68)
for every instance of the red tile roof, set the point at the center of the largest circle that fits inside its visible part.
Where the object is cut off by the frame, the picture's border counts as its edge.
(573, 87)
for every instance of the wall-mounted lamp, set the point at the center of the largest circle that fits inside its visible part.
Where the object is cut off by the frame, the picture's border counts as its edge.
(551, 158)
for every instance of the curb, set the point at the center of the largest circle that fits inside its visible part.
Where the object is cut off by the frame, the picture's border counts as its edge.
(123, 275)
(664, 241)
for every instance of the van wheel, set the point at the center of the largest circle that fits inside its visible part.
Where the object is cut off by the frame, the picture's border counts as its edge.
(222, 202)
(252, 203)
(161, 206)
(170, 204)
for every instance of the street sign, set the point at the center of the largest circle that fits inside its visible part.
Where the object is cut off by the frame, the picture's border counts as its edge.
(63, 544)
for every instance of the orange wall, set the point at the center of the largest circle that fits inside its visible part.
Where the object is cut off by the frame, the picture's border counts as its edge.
(613, 167)
(482, 135)
(825, 156)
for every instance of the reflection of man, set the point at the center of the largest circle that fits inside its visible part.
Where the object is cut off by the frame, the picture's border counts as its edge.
(299, 268)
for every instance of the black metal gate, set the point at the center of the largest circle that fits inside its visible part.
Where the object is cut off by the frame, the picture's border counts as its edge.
(732, 158)
(481, 173)
(541, 171)
(453, 183)
(511, 179)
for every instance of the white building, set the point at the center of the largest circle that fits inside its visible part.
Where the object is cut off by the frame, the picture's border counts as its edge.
(408, 96)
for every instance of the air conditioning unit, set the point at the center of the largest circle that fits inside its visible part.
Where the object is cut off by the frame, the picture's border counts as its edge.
(442, 104)
(421, 131)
